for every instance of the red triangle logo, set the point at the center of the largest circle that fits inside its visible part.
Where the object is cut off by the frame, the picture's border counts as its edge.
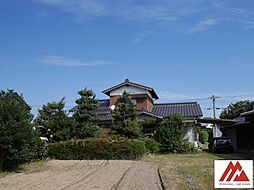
(242, 177)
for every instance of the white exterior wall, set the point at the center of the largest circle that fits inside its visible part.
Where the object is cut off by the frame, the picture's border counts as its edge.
(191, 134)
(129, 89)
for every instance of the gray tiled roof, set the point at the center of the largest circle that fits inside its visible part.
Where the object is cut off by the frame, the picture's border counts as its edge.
(186, 109)
(104, 116)
(103, 104)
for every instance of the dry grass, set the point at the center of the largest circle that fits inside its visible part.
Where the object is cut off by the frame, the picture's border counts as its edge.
(188, 171)
(29, 167)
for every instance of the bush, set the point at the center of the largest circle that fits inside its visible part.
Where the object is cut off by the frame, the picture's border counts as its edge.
(203, 136)
(170, 135)
(186, 147)
(152, 146)
(97, 148)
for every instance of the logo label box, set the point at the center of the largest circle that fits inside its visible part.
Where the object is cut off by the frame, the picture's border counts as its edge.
(233, 174)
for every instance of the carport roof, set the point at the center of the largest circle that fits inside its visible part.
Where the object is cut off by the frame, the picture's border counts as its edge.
(217, 121)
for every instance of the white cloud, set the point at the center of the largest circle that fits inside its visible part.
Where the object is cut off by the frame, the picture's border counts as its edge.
(150, 13)
(247, 23)
(243, 16)
(204, 25)
(70, 62)
(150, 10)
(178, 12)
(81, 7)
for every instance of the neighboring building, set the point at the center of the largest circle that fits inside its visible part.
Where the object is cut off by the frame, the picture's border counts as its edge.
(143, 97)
(239, 130)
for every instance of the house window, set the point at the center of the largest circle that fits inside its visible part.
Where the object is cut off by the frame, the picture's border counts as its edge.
(134, 101)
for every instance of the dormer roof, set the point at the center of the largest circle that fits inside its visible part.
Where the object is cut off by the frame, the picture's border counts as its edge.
(128, 83)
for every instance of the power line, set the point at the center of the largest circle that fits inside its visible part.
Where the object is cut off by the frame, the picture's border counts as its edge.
(225, 97)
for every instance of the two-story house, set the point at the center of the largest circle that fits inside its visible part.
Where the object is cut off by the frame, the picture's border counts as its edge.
(144, 98)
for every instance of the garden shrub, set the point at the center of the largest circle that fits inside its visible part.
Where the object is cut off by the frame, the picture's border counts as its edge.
(203, 136)
(97, 148)
(152, 146)
(170, 135)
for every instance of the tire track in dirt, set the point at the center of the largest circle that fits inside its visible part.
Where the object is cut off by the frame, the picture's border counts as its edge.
(141, 176)
(49, 170)
(87, 175)
(103, 179)
(49, 177)
(83, 168)
(115, 186)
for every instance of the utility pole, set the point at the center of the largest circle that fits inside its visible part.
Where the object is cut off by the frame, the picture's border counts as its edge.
(214, 107)
(213, 98)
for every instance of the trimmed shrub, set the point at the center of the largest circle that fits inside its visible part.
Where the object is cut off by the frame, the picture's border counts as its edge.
(152, 146)
(96, 149)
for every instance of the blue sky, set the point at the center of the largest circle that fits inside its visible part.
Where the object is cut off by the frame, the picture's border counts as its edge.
(186, 50)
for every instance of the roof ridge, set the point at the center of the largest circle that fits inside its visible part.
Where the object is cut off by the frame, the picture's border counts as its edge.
(176, 103)
(128, 82)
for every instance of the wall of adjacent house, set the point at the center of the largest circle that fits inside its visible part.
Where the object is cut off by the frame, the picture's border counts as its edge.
(145, 103)
(129, 89)
(145, 100)
(191, 133)
(114, 100)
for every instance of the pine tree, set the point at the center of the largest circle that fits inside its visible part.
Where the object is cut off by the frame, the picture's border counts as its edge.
(19, 142)
(54, 123)
(125, 120)
(85, 116)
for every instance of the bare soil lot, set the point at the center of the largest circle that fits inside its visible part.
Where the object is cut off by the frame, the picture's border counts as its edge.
(86, 174)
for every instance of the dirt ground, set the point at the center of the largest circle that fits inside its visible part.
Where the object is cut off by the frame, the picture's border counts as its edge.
(86, 174)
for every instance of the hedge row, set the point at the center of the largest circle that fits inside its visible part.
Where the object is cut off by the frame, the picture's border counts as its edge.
(97, 148)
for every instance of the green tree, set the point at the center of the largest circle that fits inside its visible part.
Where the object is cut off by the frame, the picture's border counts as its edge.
(85, 116)
(234, 110)
(149, 125)
(169, 134)
(19, 142)
(125, 120)
(54, 123)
